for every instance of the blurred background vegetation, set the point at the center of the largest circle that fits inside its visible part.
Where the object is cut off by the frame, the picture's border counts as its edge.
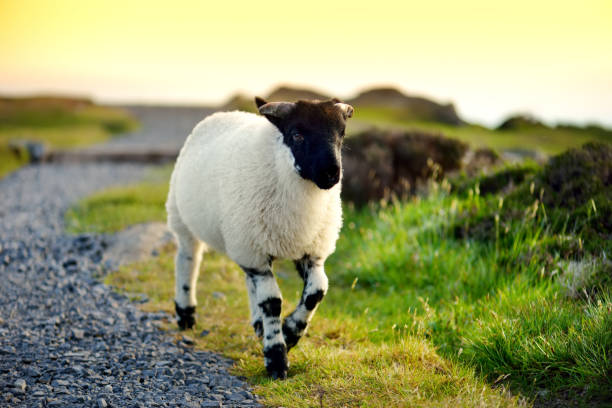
(56, 122)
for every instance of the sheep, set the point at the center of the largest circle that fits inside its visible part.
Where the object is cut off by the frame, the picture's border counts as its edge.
(259, 188)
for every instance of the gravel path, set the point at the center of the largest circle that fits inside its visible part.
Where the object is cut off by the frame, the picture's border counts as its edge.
(65, 338)
(162, 127)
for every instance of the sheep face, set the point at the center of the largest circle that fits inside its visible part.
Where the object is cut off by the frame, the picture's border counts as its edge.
(314, 132)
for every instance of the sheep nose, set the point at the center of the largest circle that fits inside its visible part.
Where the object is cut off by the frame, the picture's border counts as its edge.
(333, 173)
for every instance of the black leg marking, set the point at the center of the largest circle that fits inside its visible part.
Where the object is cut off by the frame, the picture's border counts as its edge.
(271, 307)
(252, 272)
(313, 299)
(186, 316)
(291, 337)
(258, 327)
(303, 266)
(293, 334)
(186, 288)
(276, 361)
(274, 333)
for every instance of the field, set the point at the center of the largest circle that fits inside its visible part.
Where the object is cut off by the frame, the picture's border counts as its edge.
(55, 122)
(454, 297)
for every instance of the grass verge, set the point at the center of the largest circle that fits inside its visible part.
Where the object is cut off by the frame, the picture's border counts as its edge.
(56, 122)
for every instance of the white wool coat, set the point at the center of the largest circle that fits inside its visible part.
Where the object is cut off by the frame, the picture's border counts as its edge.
(235, 188)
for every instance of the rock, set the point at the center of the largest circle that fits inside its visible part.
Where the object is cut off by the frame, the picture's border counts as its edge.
(406, 106)
(20, 385)
(78, 334)
(187, 340)
(101, 403)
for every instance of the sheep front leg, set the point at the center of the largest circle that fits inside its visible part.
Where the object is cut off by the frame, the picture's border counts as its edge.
(266, 299)
(187, 267)
(256, 317)
(315, 287)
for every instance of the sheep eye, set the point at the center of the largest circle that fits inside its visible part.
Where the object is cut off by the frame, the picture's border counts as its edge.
(298, 138)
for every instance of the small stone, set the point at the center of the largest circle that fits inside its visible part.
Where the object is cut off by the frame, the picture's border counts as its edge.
(20, 385)
(78, 334)
(60, 383)
(71, 265)
(204, 333)
(236, 397)
(102, 403)
(187, 340)
(108, 388)
(218, 397)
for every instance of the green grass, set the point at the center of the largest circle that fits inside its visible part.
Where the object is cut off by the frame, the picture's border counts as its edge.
(538, 138)
(415, 315)
(113, 209)
(58, 123)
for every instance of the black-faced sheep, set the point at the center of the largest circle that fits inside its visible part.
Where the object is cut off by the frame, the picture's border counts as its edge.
(258, 188)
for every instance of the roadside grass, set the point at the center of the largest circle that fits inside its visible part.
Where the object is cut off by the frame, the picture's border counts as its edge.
(57, 123)
(113, 209)
(337, 364)
(543, 139)
(402, 284)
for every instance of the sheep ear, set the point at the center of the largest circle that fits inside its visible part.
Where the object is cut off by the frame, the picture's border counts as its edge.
(276, 109)
(260, 102)
(347, 110)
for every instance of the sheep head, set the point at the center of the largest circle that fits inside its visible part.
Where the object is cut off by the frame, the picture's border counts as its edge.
(313, 131)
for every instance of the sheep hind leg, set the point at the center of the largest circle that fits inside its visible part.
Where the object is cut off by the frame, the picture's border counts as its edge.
(187, 268)
(266, 297)
(315, 288)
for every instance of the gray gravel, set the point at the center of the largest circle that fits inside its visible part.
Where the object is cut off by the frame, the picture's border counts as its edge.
(65, 338)
(163, 127)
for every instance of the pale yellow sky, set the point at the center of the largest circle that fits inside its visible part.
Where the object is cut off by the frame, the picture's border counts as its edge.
(552, 58)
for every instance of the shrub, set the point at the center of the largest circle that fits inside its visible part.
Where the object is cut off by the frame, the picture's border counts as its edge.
(378, 163)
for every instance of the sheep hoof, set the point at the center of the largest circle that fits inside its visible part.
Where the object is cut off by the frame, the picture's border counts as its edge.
(279, 375)
(186, 316)
(276, 361)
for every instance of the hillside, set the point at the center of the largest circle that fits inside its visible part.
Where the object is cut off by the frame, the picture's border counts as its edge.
(407, 107)
(388, 100)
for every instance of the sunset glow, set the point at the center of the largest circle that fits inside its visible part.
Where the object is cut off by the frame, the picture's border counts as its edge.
(551, 58)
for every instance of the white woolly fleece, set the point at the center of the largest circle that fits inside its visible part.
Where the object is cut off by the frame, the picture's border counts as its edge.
(235, 187)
